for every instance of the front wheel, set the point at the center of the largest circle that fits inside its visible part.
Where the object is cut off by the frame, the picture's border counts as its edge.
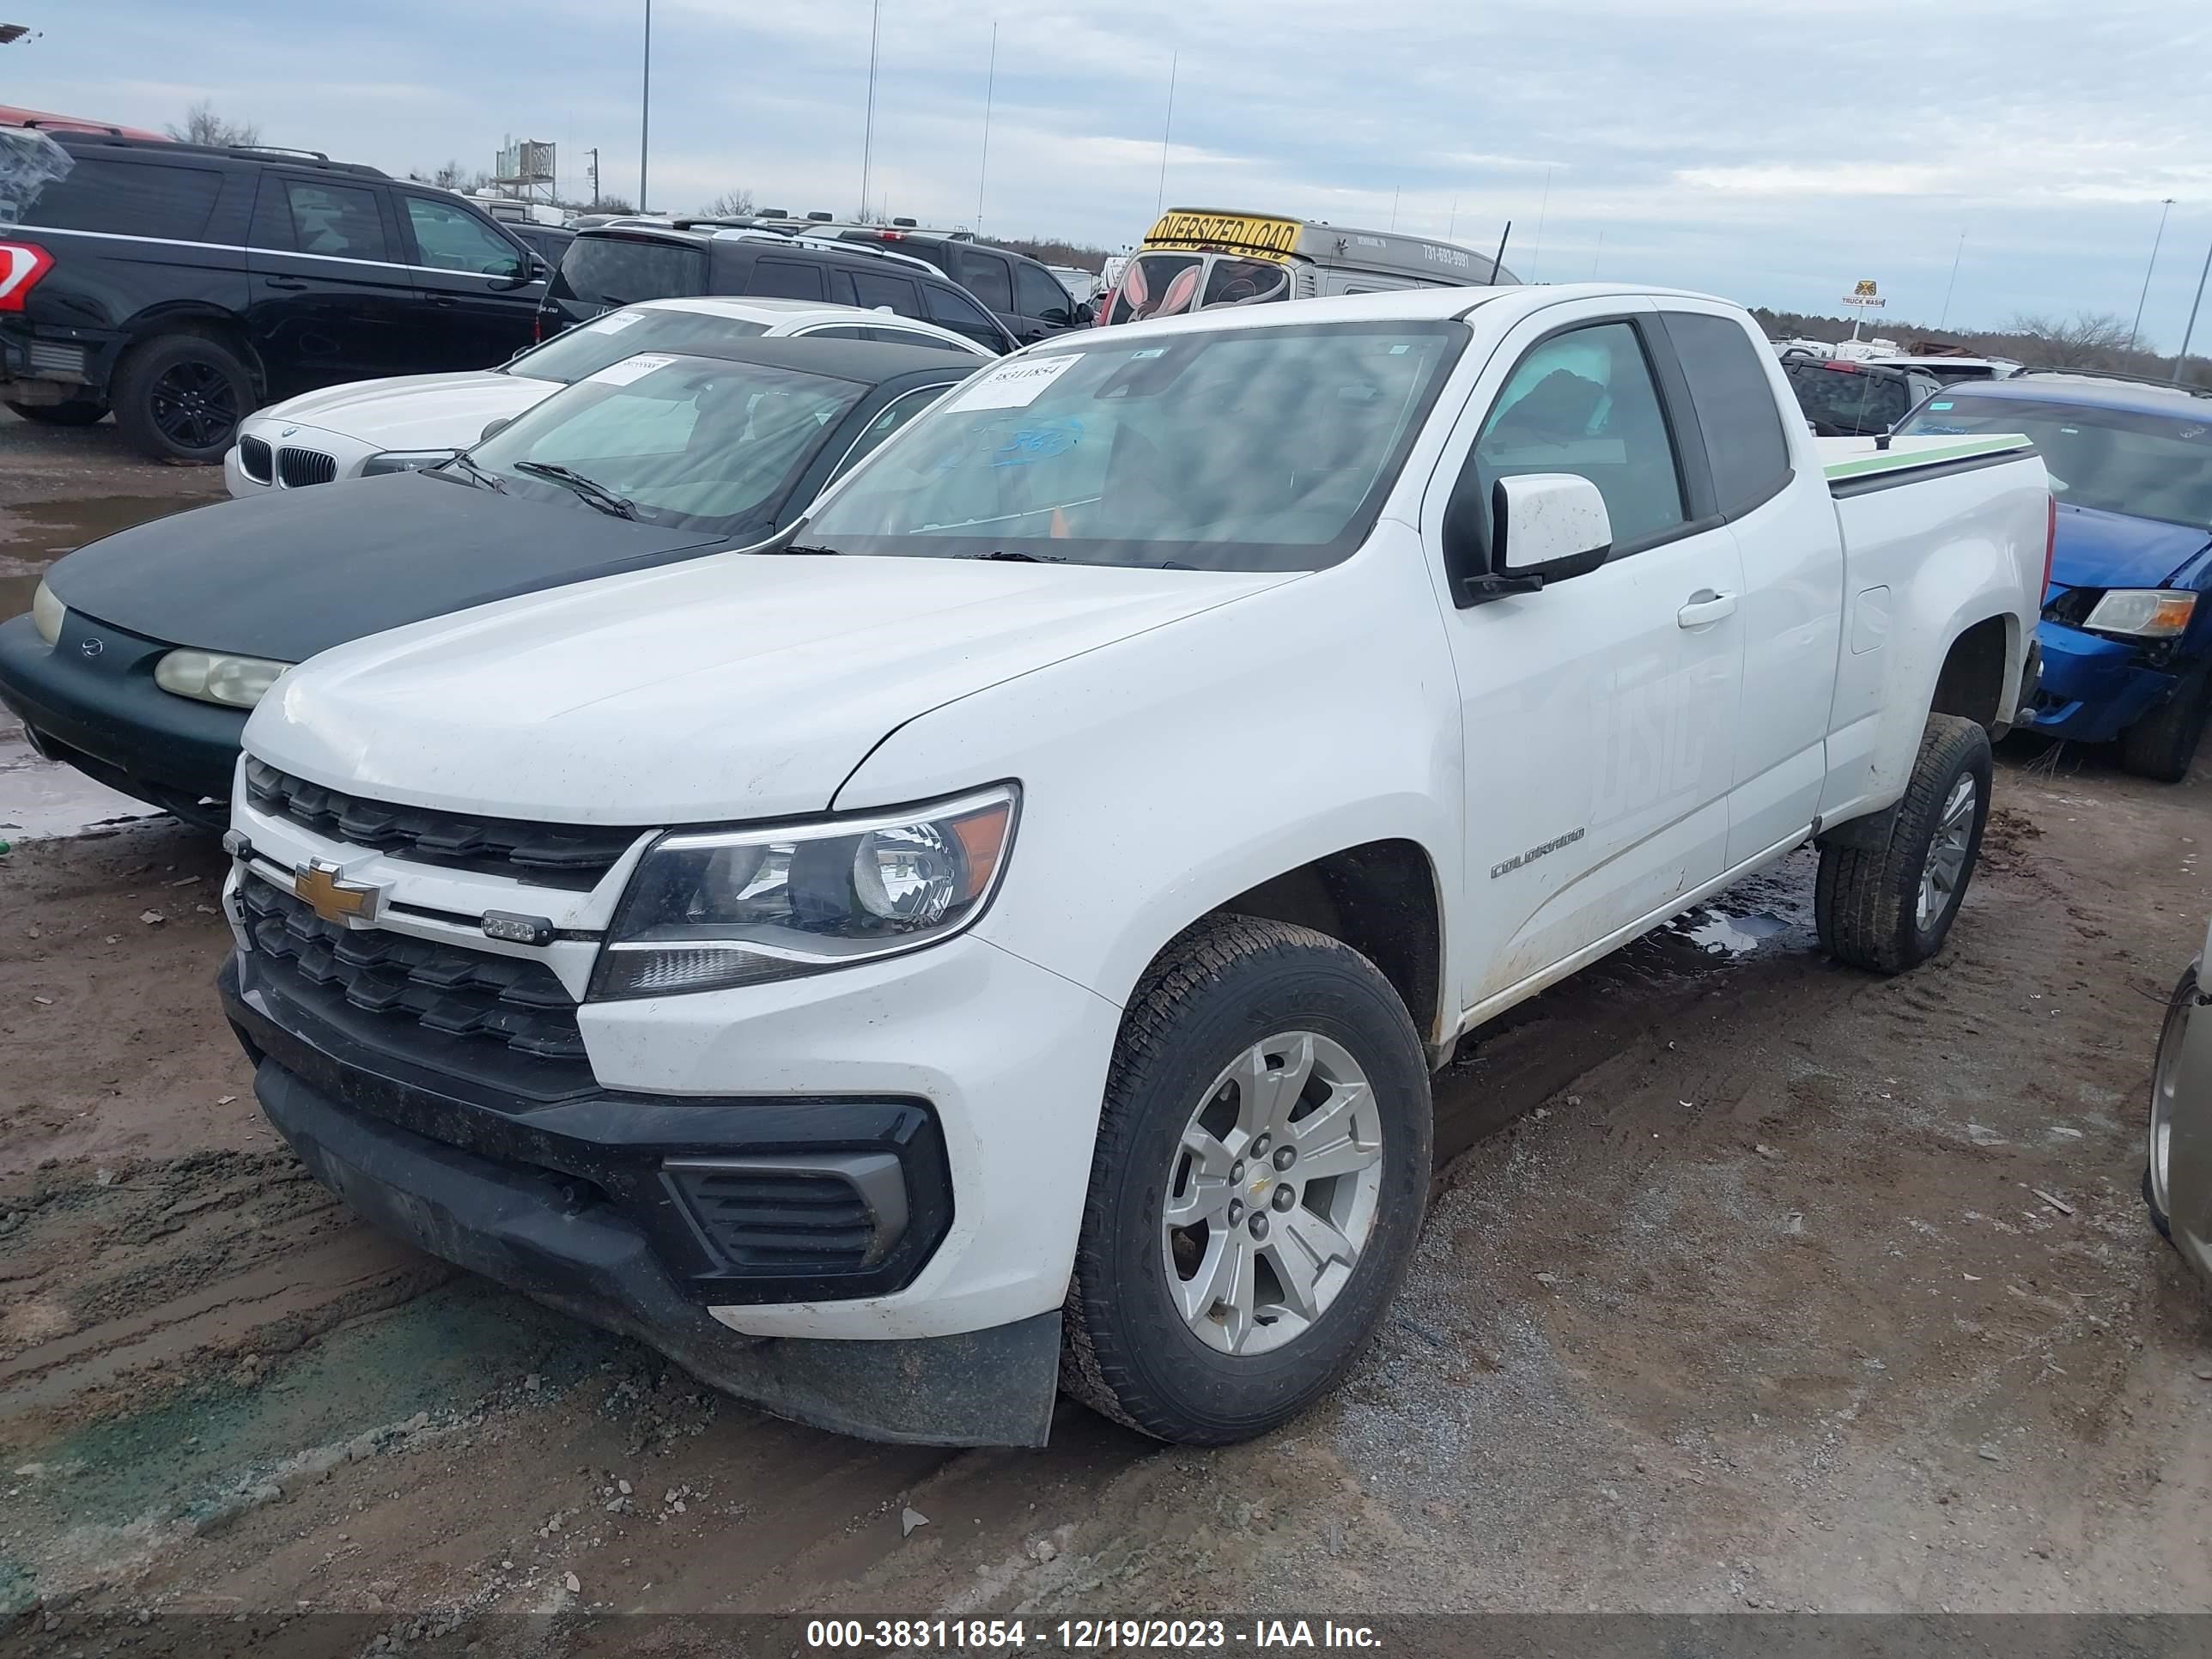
(1889, 890)
(1262, 1167)
(2158, 1197)
(2163, 743)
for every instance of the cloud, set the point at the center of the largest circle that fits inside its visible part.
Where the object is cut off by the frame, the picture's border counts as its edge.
(1774, 154)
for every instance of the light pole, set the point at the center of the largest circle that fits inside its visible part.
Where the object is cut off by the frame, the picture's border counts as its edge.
(2182, 356)
(868, 133)
(1167, 132)
(2164, 208)
(990, 85)
(645, 110)
(1959, 253)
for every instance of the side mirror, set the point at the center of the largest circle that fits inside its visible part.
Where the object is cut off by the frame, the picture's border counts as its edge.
(493, 428)
(1545, 527)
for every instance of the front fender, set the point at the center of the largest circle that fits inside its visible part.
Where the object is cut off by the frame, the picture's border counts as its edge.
(1169, 772)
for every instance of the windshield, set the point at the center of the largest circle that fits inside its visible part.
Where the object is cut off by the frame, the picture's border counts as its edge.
(696, 442)
(590, 347)
(1843, 402)
(1167, 284)
(2117, 460)
(620, 270)
(1242, 449)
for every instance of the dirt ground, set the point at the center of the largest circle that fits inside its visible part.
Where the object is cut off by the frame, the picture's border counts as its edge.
(1750, 1282)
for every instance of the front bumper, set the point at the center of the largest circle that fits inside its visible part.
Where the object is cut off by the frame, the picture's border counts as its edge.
(576, 1202)
(2093, 687)
(103, 714)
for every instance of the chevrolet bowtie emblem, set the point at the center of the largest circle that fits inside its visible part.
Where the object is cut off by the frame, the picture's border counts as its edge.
(331, 896)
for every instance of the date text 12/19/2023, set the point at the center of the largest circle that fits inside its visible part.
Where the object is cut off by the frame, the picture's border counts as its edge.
(1083, 1635)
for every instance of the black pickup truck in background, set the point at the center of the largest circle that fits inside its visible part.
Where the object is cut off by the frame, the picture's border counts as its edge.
(182, 285)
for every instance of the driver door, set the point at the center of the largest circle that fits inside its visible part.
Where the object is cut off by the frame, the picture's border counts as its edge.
(1598, 712)
(478, 288)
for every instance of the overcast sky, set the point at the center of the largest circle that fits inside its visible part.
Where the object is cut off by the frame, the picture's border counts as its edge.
(1771, 150)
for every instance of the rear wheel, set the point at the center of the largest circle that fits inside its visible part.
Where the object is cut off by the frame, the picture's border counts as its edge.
(1888, 895)
(2162, 744)
(180, 397)
(1262, 1167)
(77, 411)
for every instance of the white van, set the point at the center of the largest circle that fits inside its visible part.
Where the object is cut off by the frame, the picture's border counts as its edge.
(1196, 258)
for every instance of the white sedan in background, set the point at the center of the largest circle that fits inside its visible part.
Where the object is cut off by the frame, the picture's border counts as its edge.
(413, 421)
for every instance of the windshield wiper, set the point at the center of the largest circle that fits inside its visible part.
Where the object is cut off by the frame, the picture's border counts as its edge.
(827, 552)
(488, 479)
(590, 488)
(1012, 557)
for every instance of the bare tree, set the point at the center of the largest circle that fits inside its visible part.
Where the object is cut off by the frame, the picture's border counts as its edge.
(203, 126)
(730, 204)
(615, 204)
(2086, 340)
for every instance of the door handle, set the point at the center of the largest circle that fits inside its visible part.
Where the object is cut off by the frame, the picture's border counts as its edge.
(443, 301)
(1705, 606)
(290, 283)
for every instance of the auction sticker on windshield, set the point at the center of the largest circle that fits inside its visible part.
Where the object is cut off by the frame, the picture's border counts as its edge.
(631, 368)
(1012, 386)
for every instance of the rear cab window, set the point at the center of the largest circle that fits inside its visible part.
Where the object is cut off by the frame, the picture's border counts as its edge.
(620, 270)
(1744, 443)
(129, 198)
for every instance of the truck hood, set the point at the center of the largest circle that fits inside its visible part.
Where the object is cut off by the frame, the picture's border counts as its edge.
(2097, 549)
(411, 411)
(742, 685)
(292, 572)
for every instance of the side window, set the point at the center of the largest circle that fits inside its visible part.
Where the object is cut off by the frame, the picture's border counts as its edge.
(955, 311)
(1584, 402)
(842, 332)
(134, 198)
(986, 276)
(1038, 293)
(872, 291)
(1744, 443)
(339, 220)
(895, 413)
(448, 238)
(786, 279)
(906, 337)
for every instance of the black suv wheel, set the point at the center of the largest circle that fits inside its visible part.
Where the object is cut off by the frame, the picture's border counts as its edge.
(181, 396)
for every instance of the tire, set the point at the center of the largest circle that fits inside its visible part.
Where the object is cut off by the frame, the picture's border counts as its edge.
(2169, 1042)
(77, 411)
(181, 396)
(1225, 989)
(1868, 901)
(2163, 743)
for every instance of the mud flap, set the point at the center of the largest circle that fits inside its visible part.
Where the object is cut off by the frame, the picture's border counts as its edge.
(991, 1388)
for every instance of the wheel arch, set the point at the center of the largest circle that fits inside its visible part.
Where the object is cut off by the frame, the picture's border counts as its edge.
(196, 317)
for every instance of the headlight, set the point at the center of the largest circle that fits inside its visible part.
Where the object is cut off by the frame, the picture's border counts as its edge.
(707, 909)
(233, 681)
(2150, 613)
(405, 460)
(48, 614)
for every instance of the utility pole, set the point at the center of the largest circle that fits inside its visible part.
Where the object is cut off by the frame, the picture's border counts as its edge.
(2164, 208)
(595, 178)
(645, 110)
(990, 85)
(1543, 207)
(868, 133)
(2188, 333)
(1160, 206)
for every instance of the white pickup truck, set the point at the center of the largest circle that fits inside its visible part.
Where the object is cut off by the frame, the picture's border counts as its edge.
(998, 938)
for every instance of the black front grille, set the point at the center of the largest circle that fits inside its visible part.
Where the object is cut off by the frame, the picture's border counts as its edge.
(446, 991)
(299, 468)
(253, 458)
(572, 856)
(837, 1214)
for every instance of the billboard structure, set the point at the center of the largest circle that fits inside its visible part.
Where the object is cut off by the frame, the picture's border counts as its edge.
(525, 170)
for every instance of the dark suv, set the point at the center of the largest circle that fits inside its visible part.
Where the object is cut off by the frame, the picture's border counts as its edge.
(1019, 291)
(619, 264)
(180, 285)
(1846, 399)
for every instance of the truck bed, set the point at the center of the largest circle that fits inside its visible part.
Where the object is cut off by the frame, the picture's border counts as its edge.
(1856, 465)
